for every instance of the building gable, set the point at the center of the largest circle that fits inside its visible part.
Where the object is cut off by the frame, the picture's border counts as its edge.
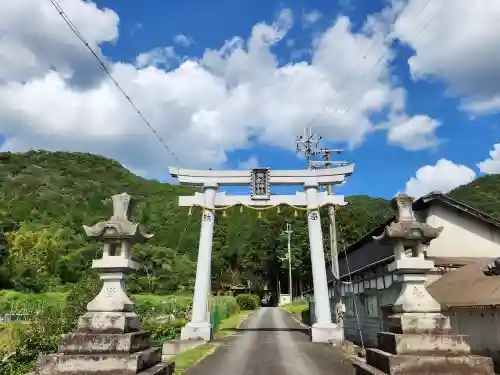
(467, 232)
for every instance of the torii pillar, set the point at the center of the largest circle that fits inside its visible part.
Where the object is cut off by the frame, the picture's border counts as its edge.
(200, 325)
(323, 330)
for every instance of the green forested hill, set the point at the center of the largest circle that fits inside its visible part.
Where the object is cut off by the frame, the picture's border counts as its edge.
(61, 191)
(45, 197)
(482, 194)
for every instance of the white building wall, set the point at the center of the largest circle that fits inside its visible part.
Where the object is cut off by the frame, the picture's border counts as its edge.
(462, 236)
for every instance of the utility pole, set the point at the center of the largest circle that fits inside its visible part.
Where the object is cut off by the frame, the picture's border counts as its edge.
(308, 144)
(289, 233)
(333, 228)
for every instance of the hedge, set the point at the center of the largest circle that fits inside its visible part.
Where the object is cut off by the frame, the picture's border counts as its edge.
(248, 301)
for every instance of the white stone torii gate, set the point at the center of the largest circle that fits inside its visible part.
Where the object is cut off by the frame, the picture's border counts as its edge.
(260, 180)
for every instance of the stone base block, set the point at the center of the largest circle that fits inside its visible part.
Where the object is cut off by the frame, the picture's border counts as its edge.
(434, 323)
(328, 333)
(362, 368)
(197, 331)
(173, 347)
(108, 322)
(395, 343)
(91, 343)
(428, 364)
(167, 368)
(100, 364)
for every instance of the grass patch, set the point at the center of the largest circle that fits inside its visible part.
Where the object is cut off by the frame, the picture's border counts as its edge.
(155, 299)
(296, 308)
(6, 344)
(13, 301)
(191, 357)
(228, 326)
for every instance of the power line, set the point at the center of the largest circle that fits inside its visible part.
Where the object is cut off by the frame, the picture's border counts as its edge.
(385, 53)
(73, 28)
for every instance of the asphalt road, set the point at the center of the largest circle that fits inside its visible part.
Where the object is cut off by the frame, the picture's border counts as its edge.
(271, 342)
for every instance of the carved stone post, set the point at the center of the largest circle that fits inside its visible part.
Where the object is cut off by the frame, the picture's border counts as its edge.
(419, 339)
(323, 330)
(199, 327)
(108, 339)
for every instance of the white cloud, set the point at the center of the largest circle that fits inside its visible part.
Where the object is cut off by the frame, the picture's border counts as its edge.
(492, 164)
(202, 109)
(157, 57)
(459, 46)
(183, 40)
(251, 162)
(414, 133)
(444, 176)
(34, 39)
(310, 18)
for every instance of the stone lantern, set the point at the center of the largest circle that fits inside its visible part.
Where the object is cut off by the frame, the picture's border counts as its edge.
(406, 233)
(112, 309)
(418, 340)
(108, 340)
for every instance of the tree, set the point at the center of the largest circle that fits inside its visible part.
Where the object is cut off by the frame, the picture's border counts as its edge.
(45, 197)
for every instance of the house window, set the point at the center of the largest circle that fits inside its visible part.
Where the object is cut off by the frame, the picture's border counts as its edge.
(349, 305)
(371, 305)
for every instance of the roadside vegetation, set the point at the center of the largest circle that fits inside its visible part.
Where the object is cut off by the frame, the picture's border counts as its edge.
(297, 306)
(45, 258)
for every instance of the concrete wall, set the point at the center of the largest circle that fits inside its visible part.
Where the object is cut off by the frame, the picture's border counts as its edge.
(482, 325)
(462, 236)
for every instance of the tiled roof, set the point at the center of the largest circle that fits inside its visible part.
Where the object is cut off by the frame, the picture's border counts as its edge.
(467, 286)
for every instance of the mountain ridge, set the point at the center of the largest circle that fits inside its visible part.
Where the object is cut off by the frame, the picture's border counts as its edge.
(58, 192)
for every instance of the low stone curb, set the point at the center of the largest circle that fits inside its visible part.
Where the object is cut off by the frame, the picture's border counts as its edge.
(297, 320)
(242, 320)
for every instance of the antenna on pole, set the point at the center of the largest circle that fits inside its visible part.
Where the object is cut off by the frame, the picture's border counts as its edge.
(308, 143)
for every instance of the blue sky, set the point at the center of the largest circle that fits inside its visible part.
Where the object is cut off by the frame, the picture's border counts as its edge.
(383, 167)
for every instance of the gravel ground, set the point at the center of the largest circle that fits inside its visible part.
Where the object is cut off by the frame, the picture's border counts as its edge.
(271, 342)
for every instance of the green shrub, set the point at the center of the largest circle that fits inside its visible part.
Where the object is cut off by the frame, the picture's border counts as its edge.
(148, 306)
(248, 301)
(223, 308)
(164, 331)
(42, 334)
(296, 308)
(300, 301)
(227, 303)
